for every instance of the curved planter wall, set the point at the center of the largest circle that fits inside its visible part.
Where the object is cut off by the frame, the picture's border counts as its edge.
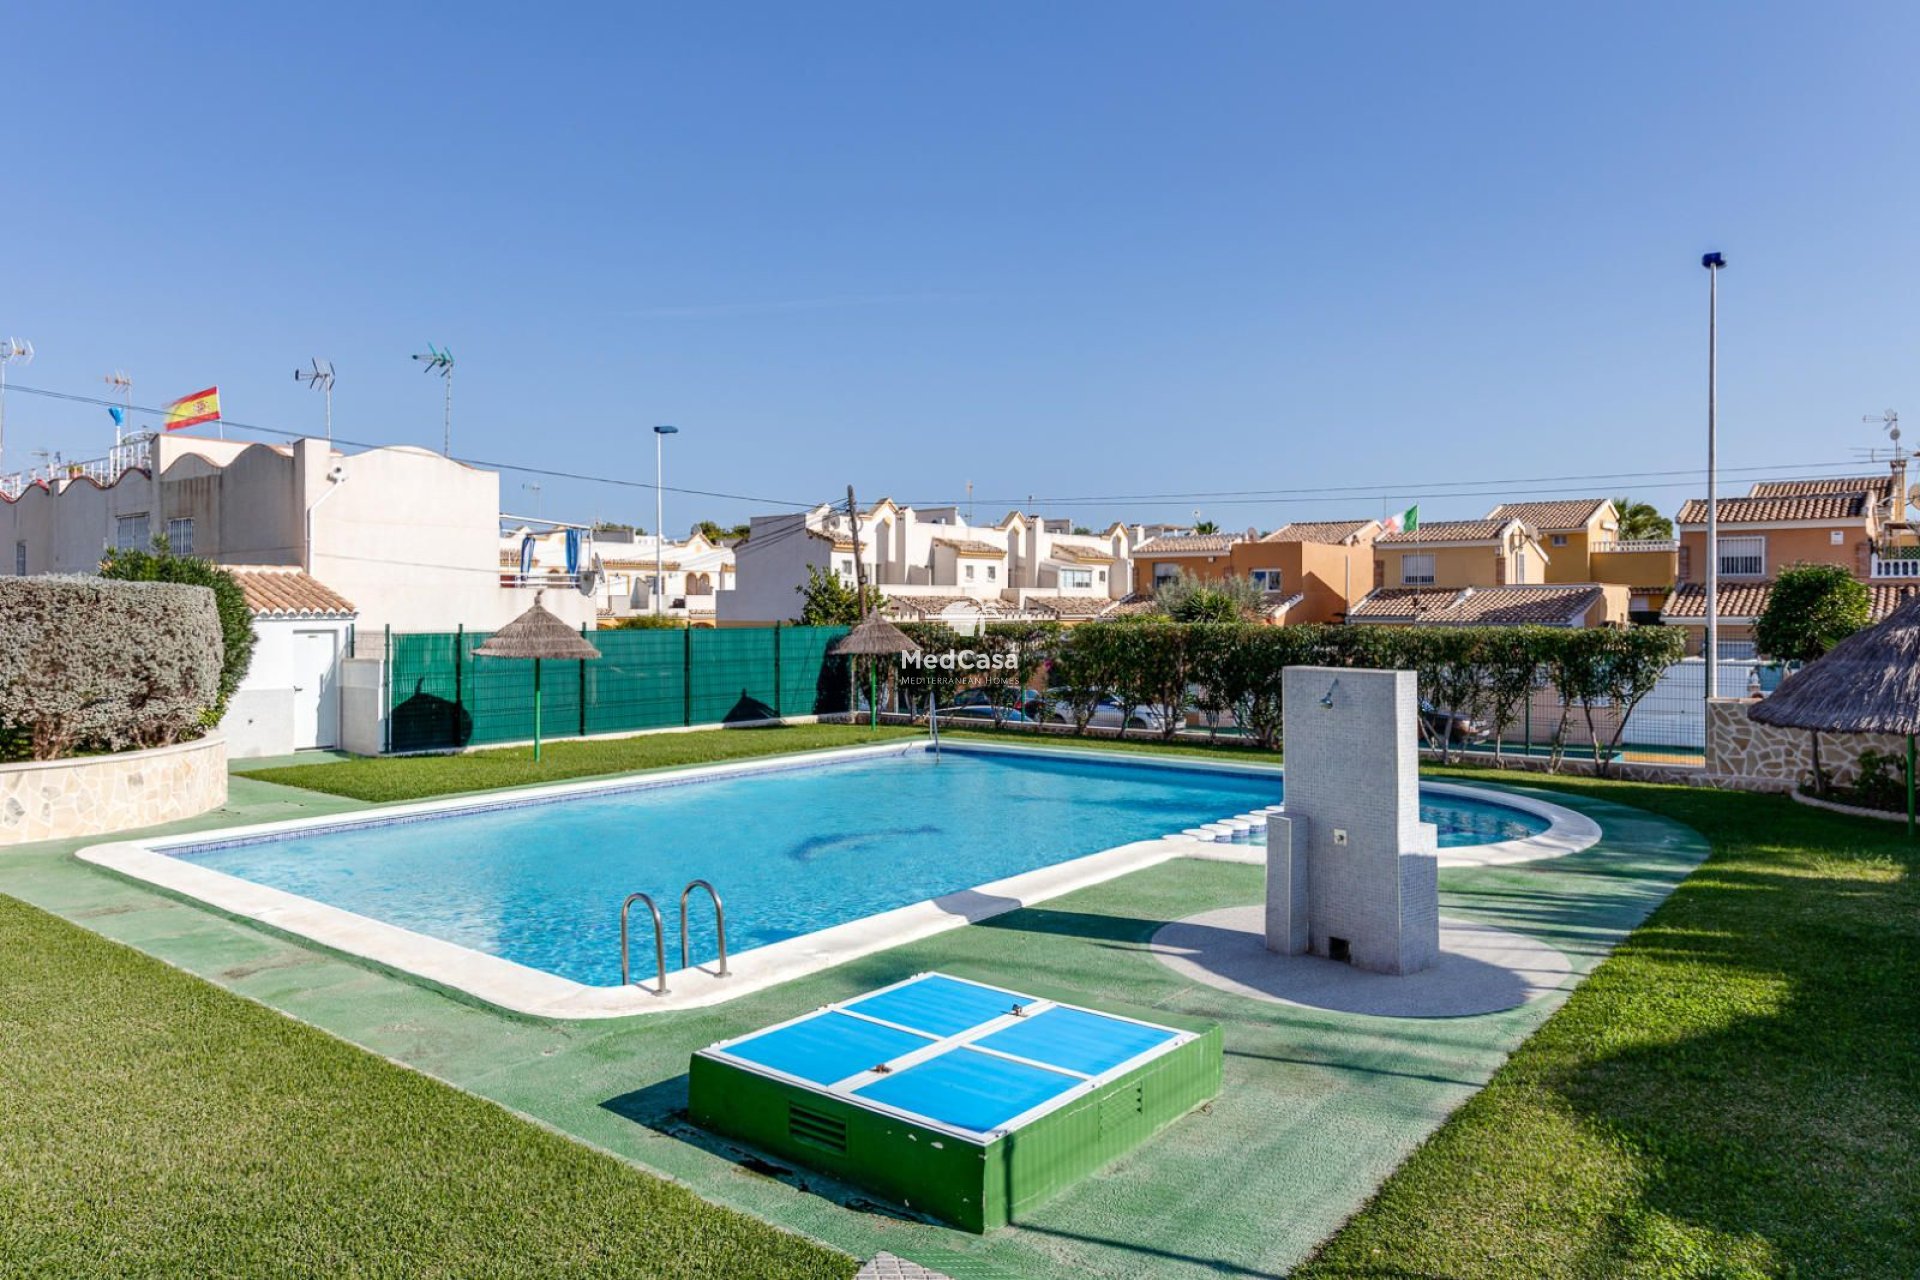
(94, 795)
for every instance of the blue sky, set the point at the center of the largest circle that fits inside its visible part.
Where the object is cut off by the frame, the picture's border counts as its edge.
(1069, 250)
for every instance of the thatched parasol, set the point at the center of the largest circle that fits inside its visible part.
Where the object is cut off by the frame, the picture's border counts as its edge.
(1868, 683)
(538, 635)
(875, 637)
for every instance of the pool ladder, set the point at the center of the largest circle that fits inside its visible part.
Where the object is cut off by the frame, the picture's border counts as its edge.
(660, 935)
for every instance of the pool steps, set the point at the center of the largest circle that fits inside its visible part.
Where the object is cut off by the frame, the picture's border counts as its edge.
(1244, 828)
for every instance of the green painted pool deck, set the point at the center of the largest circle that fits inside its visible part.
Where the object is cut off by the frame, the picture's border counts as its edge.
(1315, 1110)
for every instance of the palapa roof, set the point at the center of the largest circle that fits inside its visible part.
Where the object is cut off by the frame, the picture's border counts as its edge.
(1852, 505)
(875, 635)
(1688, 603)
(1567, 515)
(1330, 533)
(536, 634)
(1870, 683)
(1512, 606)
(278, 592)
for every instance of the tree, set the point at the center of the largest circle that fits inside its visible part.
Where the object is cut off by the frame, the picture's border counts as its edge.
(830, 600)
(1205, 526)
(722, 534)
(236, 619)
(1811, 608)
(1189, 598)
(1640, 522)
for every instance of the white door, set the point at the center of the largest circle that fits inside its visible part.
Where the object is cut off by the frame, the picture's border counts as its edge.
(316, 689)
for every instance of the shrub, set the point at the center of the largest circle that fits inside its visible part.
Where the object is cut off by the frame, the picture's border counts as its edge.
(93, 664)
(236, 619)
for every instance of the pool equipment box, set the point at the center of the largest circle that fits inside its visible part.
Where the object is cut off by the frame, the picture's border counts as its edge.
(965, 1102)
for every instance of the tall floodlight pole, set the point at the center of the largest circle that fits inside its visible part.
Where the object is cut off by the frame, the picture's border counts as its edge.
(1713, 262)
(441, 362)
(660, 435)
(121, 381)
(320, 378)
(12, 350)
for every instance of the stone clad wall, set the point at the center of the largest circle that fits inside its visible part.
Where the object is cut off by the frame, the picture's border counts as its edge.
(1760, 757)
(98, 795)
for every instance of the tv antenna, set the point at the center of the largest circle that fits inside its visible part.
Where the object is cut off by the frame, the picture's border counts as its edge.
(1891, 421)
(441, 362)
(533, 487)
(320, 378)
(12, 350)
(122, 381)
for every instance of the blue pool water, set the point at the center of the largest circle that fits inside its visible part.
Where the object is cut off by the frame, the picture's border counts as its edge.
(792, 850)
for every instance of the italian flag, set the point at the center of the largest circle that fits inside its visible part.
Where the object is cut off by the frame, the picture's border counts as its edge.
(1406, 522)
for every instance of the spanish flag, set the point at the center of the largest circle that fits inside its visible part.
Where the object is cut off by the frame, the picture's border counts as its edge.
(188, 411)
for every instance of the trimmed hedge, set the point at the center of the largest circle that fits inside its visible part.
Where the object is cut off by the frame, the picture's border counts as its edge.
(88, 664)
(236, 618)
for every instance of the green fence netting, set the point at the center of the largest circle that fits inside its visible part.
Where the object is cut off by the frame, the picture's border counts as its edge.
(440, 696)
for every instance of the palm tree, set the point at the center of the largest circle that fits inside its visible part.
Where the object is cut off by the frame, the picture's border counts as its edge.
(1206, 526)
(1641, 522)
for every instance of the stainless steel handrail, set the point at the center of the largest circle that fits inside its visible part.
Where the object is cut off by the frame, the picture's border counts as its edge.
(933, 723)
(659, 941)
(719, 923)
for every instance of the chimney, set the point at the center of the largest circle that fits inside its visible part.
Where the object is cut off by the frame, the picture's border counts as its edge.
(1897, 504)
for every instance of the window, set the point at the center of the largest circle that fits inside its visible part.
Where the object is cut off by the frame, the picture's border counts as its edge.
(1103, 574)
(1076, 577)
(130, 532)
(1743, 557)
(1559, 540)
(1520, 567)
(1266, 579)
(993, 572)
(1164, 571)
(20, 559)
(969, 573)
(846, 569)
(180, 537)
(1416, 569)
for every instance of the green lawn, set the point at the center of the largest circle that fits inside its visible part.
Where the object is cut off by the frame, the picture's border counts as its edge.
(153, 1124)
(1735, 1092)
(381, 779)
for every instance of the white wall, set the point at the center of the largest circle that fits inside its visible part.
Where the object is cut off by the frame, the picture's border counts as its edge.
(260, 720)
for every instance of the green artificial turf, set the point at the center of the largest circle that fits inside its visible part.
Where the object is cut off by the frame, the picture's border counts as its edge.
(387, 778)
(1736, 1092)
(152, 1124)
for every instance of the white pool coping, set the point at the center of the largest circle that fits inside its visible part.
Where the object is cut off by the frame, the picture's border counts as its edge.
(522, 989)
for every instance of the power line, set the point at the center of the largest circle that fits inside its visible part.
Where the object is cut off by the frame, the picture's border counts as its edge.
(475, 462)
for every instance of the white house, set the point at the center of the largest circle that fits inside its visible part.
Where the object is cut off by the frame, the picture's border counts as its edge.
(928, 563)
(622, 565)
(290, 698)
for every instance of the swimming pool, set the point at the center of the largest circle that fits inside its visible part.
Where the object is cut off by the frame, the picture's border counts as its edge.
(796, 847)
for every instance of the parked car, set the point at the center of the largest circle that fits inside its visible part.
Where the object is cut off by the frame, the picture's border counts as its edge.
(1447, 726)
(1108, 713)
(1031, 703)
(980, 711)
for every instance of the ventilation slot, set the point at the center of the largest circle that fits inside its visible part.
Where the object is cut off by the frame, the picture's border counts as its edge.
(817, 1130)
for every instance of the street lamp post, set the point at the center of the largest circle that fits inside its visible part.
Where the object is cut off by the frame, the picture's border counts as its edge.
(660, 435)
(1713, 262)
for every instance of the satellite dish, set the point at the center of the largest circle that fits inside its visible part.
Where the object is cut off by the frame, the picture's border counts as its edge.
(590, 577)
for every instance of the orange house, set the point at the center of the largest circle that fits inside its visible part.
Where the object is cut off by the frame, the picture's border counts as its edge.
(1313, 571)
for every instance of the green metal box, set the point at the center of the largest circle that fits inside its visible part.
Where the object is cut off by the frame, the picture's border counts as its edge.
(967, 1103)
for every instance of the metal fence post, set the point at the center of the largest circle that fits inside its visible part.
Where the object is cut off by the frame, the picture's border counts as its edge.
(459, 684)
(686, 676)
(776, 671)
(583, 686)
(386, 689)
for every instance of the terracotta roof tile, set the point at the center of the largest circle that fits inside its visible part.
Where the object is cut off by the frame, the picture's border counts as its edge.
(1327, 532)
(1749, 600)
(1878, 486)
(970, 546)
(1480, 607)
(1070, 606)
(1568, 515)
(1852, 505)
(288, 593)
(1079, 554)
(1447, 531)
(1188, 544)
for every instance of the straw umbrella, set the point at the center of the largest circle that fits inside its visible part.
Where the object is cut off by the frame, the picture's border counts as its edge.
(875, 637)
(539, 635)
(1868, 683)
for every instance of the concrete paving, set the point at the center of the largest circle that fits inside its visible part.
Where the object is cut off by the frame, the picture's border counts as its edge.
(1481, 969)
(1317, 1106)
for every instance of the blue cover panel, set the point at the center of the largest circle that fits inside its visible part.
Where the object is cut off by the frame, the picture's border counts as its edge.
(827, 1048)
(972, 1090)
(1077, 1040)
(940, 1005)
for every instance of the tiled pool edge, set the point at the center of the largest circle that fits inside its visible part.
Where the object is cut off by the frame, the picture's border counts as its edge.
(520, 989)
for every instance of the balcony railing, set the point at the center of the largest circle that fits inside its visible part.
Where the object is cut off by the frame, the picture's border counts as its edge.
(1643, 544)
(1896, 566)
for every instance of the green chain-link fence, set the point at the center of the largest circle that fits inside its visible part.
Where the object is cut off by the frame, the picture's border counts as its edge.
(440, 696)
